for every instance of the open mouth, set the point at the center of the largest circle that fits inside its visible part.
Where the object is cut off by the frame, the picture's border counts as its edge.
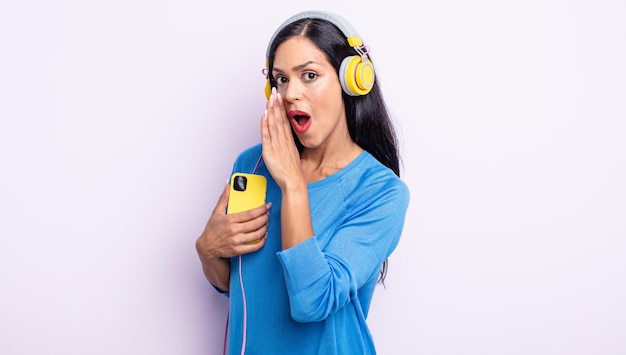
(300, 121)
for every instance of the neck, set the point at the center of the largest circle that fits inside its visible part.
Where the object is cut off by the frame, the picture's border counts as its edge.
(320, 163)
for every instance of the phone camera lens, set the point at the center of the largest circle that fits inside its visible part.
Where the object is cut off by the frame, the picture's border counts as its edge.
(240, 183)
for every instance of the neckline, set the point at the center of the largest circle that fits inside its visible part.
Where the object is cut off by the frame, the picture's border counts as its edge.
(339, 173)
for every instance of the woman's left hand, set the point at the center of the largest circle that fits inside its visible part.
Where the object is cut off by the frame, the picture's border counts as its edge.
(280, 153)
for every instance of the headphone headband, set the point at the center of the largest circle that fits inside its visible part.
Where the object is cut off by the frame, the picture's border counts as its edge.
(346, 28)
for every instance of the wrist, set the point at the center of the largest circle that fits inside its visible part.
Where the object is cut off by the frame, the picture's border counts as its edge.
(294, 186)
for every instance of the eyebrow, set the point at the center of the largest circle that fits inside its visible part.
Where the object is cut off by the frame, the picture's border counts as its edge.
(297, 67)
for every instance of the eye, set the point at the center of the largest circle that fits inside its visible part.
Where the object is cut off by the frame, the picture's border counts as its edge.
(309, 76)
(280, 80)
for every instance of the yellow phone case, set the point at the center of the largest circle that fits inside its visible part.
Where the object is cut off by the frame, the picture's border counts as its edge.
(247, 191)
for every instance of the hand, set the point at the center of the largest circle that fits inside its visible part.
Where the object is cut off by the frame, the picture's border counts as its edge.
(228, 235)
(280, 153)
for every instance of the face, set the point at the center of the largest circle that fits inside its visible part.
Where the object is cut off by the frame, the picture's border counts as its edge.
(311, 92)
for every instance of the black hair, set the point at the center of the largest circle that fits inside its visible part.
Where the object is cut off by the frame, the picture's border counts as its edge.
(369, 122)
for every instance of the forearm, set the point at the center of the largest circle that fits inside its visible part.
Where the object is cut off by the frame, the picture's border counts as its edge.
(217, 271)
(295, 218)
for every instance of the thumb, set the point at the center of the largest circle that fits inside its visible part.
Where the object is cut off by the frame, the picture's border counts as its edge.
(222, 202)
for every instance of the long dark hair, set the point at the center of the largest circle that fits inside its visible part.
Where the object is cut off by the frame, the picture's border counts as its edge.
(369, 122)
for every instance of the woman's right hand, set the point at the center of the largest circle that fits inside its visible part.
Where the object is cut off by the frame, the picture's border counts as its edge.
(228, 235)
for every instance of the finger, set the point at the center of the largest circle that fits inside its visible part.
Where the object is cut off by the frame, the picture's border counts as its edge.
(273, 115)
(281, 106)
(255, 234)
(265, 134)
(283, 121)
(254, 241)
(278, 120)
(267, 103)
(278, 109)
(250, 215)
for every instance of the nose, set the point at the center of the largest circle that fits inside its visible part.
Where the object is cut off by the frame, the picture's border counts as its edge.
(292, 91)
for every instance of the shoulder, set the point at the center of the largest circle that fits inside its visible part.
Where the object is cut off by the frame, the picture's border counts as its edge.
(248, 158)
(370, 181)
(374, 173)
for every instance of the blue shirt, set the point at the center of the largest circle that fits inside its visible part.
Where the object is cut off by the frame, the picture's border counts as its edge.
(314, 298)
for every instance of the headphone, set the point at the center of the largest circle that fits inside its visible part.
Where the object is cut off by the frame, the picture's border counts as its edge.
(356, 73)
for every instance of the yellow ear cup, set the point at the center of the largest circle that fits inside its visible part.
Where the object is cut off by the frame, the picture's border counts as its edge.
(356, 76)
(268, 89)
(268, 86)
(365, 76)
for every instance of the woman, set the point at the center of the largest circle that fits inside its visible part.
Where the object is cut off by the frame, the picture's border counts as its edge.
(301, 270)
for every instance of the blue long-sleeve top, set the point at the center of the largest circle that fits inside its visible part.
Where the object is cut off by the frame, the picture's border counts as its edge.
(314, 298)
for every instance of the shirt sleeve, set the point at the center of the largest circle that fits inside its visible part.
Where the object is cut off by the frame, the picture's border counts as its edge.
(319, 280)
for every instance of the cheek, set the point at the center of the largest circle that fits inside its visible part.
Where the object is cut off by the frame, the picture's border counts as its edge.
(332, 112)
(329, 95)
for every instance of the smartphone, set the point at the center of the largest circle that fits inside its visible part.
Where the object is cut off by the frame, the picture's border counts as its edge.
(247, 191)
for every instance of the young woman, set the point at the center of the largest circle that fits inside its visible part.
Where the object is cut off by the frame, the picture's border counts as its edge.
(300, 271)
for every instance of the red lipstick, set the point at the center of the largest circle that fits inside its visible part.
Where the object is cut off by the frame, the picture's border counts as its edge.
(300, 120)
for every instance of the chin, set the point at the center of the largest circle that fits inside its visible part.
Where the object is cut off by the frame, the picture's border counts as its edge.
(308, 144)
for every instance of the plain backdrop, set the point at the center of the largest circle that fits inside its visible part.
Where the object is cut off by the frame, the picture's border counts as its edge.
(119, 122)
